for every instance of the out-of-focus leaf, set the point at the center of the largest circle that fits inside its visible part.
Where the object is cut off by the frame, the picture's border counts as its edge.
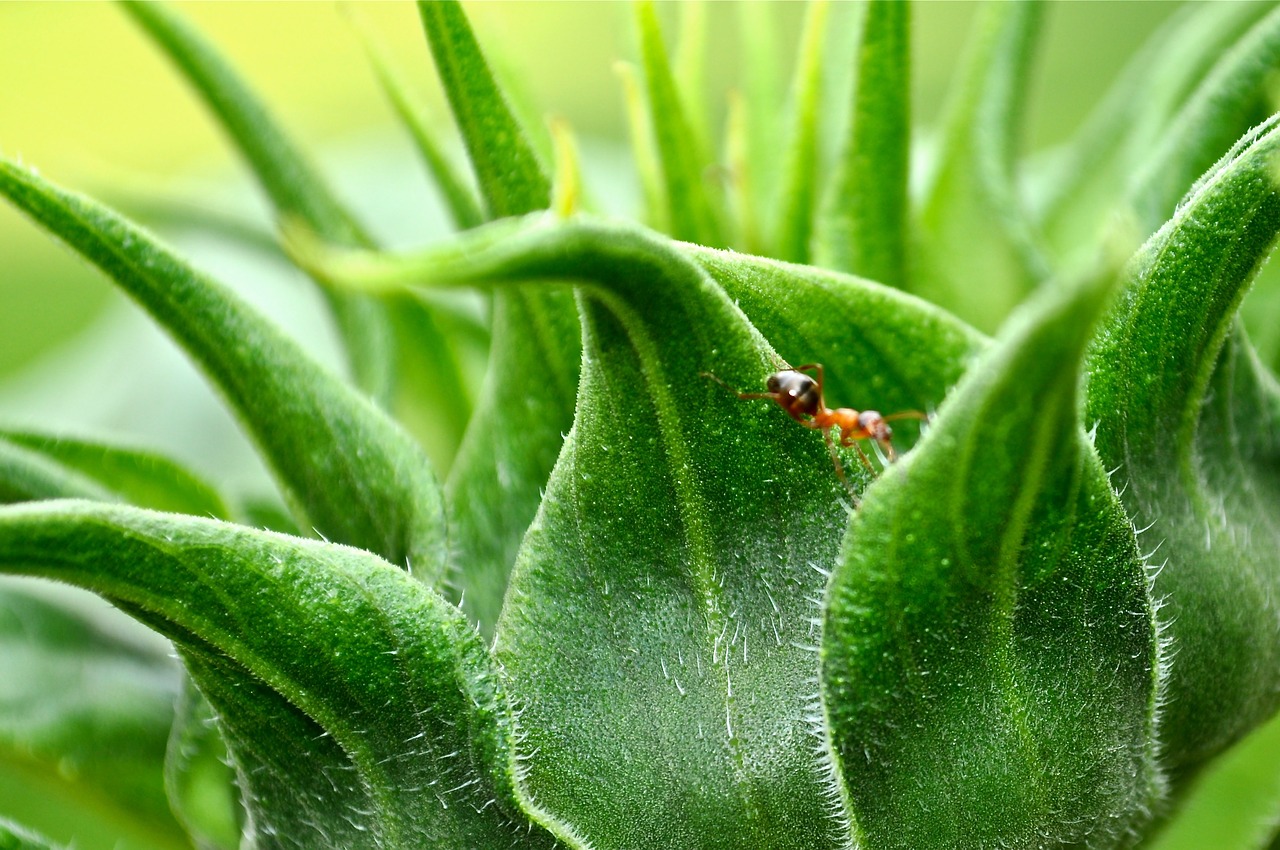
(138, 477)
(864, 224)
(360, 708)
(351, 471)
(1096, 169)
(294, 186)
(990, 653)
(14, 837)
(1234, 804)
(1228, 100)
(198, 776)
(691, 210)
(84, 716)
(27, 475)
(975, 252)
(459, 199)
(799, 195)
(1193, 432)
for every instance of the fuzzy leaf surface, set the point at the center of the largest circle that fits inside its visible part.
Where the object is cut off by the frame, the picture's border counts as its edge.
(989, 655)
(360, 709)
(525, 405)
(1193, 430)
(660, 625)
(198, 776)
(354, 474)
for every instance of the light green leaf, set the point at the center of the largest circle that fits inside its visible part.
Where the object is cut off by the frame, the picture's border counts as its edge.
(989, 654)
(864, 223)
(360, 709)
(691, 210)
(1235, 803)
(138, 477)
(84, 715)
(459, 199)
(27, 475)
(1094, 172)
(975, 252)
(799, 194)
(292, 183)
(1193, 432)
(198, 776)
(13, 837)
(1228, 100)
(354, 474)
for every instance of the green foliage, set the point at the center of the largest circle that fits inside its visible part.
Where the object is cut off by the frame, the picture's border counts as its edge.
(1032, 623)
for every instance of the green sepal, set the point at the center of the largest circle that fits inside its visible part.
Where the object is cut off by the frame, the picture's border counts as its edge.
(989, 650)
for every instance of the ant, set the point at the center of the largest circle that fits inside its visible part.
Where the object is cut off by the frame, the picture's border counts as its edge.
(800, 395)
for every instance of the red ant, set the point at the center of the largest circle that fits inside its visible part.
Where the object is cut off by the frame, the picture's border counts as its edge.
(801, 397)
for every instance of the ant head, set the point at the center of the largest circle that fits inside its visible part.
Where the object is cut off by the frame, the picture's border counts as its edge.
(790, 383)
(875, 426)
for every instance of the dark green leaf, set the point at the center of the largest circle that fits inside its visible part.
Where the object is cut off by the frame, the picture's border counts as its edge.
(526, 401)
(989, 654)
(690, 209)
(360, 709)
(1195, 440)
(864, 223)
(354, 474)
(84, 715)
(510, 177)
(198, 776)
(288, 178)
(138, 477)
(975, 253)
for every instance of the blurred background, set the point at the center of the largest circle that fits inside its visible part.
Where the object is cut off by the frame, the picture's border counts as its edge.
(91, 103)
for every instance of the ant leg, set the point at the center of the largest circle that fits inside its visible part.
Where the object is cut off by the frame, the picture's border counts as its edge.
(726, 385)
(835, 459)
(866, 461)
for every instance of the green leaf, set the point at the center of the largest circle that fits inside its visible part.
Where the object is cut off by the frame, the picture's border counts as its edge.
(864, 223)
(975, 252)
(989, 651)
(292, 183)
(27, 475)
(507, 169)
(459, 199)
(1229, 99)
(496, 483)
(1095, 172)
(798, 197)
(1192, 430)
(360, 709)
(198, 776)
(84, 715)
(690, 209)
(1235, 803)
(13, 837)
(138, 477)
(356, 476)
